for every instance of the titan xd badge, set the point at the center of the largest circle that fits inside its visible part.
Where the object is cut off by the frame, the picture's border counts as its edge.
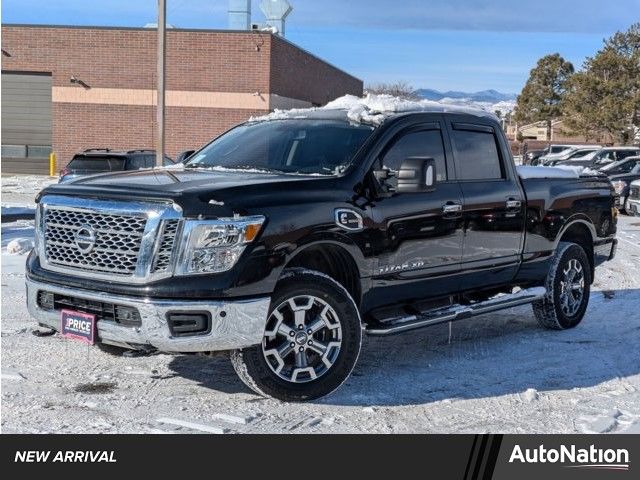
(348, 219)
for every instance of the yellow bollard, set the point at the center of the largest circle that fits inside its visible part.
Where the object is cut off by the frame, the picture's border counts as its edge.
(52, 164)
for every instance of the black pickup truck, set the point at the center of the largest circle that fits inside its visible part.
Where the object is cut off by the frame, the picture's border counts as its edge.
(287, 238)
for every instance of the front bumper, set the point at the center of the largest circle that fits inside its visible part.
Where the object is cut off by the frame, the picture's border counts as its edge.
(234, 323)
(634, 207)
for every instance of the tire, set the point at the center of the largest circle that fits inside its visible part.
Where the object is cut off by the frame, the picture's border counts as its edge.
(274, 369)
(563, 308)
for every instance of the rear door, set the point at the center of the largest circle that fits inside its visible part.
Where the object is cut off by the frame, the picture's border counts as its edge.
(493, 205)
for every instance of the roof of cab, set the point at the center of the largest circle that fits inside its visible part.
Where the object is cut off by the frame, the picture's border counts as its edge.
(372, 109)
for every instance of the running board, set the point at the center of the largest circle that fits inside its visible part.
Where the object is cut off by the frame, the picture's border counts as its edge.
(455, 312)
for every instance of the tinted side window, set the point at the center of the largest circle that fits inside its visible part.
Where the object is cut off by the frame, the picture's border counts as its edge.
(423, 143)
(622, 154)
(626, 167)
(136, 162)
(477, 155)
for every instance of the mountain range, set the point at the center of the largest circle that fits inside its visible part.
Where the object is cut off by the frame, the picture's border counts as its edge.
(485, 96)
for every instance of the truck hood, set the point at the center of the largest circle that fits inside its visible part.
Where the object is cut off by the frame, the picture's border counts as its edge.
(218, 192)
(627, 177)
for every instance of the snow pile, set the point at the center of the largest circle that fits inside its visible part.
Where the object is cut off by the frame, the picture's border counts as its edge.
(527, 171)
(559, 171)
(29, 184)
(20, 246)
(374, 109)
(581, 171)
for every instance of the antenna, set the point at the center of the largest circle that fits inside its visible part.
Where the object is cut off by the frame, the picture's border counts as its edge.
(276, 11)
(239, 14)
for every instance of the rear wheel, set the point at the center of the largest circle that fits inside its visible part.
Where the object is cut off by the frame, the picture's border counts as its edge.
(568, 288)
(311, 342)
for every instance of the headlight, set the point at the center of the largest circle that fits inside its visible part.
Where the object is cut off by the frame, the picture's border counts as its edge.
(619, 186)
(214, 246)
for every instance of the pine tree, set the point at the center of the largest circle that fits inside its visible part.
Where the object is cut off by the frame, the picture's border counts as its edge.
(541, 97)
(604, 98)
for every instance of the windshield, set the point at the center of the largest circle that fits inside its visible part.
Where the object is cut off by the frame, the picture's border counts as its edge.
(612, 166)
(585, 156)
(622, 166)
(303, 146)
(97, 164)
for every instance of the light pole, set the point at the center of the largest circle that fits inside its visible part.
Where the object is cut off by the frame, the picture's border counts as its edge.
(162, 38)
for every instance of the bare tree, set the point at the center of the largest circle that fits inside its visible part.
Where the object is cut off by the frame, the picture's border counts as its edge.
(399, 89)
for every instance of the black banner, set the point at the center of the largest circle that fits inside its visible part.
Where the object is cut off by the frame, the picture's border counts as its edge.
(466, 457)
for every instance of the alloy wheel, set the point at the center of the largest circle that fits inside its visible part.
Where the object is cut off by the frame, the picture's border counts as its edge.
(571, 287)
(303, 339)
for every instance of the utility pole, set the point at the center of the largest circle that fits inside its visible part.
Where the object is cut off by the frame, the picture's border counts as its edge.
(162, 40)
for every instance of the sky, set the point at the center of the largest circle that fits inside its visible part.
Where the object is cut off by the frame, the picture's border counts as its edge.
(466, 45)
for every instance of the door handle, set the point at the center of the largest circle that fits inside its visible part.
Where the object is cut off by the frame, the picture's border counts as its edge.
(451, 208)
(513, 204)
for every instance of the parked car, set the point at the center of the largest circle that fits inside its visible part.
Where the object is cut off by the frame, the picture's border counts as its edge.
(574, 150)
(602, 157)
(633, 200)
(285, 239)
(569, 154)
(550, 149)
(622, 181)
(532, 156)
(102, 160)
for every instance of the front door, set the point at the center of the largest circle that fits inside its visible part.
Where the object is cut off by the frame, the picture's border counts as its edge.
(420, 233)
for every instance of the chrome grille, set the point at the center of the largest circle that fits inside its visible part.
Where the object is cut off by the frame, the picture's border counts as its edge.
(162, 260)
(117, 240)
(112, 240)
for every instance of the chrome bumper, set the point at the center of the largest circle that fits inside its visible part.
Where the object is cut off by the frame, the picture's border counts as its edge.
(234, 324)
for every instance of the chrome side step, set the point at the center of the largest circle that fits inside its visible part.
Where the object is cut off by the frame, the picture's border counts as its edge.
(455, 312)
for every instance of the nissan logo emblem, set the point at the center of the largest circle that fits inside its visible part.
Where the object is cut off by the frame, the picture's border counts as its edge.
(85, 239)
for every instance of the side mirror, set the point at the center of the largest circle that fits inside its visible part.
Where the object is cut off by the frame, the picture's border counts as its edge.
(417, 174)
(182, 156)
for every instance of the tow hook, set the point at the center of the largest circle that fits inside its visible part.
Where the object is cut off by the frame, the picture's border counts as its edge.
(43, 333)
(141, 351)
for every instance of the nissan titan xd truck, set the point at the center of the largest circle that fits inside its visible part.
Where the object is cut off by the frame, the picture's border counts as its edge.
(289, 238)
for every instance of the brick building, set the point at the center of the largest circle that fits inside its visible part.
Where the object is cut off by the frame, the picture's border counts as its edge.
(71, 88)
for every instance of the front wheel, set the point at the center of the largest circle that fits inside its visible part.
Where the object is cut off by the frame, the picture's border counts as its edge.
(311, 342)
(568, 287)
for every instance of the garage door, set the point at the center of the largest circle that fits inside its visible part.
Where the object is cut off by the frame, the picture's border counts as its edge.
(26, 122)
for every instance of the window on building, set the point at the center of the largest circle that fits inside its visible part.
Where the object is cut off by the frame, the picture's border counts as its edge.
(38, 151)
(14, 151)
(477, 155)
(422, 143)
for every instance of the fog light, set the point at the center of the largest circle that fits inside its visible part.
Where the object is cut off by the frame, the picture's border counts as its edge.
(45, 300)
(189, 323)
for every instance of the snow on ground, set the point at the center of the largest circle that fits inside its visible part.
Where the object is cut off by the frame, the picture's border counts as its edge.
(19, 191)
(496, 373)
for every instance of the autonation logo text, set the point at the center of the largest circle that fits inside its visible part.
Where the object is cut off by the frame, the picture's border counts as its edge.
(573, 457)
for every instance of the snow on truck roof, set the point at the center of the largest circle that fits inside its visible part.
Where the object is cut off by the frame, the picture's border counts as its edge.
(371, 109)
